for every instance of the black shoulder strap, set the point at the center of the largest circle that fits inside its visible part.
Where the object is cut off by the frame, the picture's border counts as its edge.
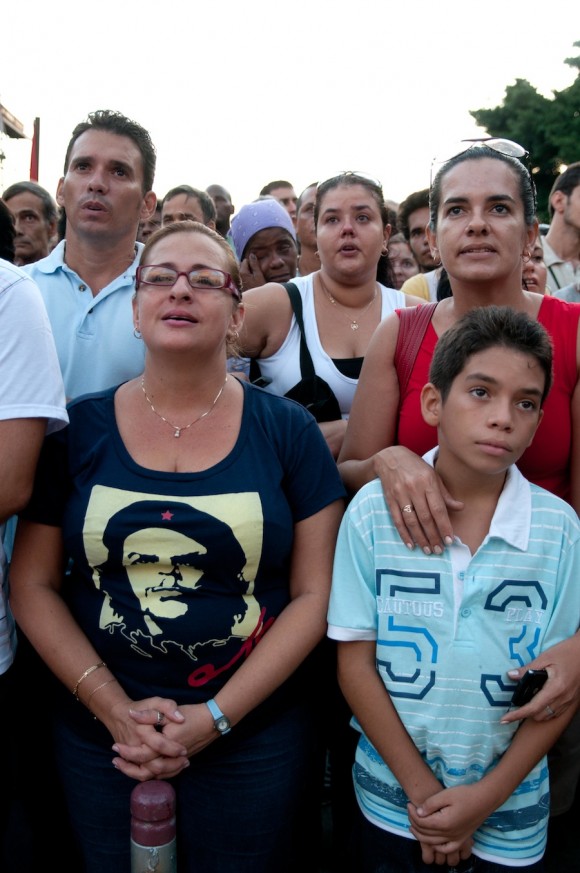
(553, 275)
(306, 365)
(255, 372)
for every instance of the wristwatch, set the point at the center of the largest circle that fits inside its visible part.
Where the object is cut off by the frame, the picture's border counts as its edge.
(220, 721)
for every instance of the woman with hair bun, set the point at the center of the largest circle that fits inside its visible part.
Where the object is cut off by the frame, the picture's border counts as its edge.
(342, 302)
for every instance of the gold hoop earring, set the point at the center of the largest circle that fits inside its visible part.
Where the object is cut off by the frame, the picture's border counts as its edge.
(526, 256)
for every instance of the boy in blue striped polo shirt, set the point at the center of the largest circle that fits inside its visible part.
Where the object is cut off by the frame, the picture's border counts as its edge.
(425, 641)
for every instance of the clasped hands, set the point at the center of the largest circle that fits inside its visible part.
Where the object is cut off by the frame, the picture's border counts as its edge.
(154, 739)
(444, 823)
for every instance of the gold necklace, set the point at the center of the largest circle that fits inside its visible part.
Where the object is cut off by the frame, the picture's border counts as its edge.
(354, 322)
(195, 420)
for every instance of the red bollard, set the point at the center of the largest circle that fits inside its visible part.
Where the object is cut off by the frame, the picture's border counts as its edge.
(153, 847)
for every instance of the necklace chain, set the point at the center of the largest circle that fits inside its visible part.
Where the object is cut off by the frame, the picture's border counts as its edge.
(354, 322)
(177, 430)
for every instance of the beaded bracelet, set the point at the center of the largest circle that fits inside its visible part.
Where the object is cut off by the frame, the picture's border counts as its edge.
(87, 672)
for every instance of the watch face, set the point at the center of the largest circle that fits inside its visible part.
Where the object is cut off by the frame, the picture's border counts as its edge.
(223, 724)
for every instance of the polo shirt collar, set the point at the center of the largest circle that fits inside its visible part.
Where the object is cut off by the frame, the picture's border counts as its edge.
(512, 518)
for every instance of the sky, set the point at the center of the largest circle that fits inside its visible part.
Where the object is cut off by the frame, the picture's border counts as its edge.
(240, 94)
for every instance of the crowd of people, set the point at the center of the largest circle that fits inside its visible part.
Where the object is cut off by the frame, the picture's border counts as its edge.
(290, 508)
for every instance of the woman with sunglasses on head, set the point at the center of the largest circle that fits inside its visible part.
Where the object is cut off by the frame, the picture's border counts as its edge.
(342, 302)
(197, 517)
(482, 228)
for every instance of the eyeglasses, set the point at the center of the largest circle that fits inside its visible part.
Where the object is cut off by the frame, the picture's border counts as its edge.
(202, 278)
(364, 177)
(503, 146)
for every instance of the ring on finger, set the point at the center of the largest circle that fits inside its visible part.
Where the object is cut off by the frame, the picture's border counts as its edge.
(159, 723)
(550, 712)
(407, 508)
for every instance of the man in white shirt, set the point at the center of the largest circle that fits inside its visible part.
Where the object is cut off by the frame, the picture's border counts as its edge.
(32, 403)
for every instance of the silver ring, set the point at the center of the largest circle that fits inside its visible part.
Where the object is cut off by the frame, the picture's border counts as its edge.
(550, 712)
(407, 508)
(160, 718)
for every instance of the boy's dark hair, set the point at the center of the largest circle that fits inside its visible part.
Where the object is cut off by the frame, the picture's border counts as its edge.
(114, 122)
(484, 328)
(416, 200)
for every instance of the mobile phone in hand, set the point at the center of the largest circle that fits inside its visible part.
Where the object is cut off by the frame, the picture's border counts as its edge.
(528, 686)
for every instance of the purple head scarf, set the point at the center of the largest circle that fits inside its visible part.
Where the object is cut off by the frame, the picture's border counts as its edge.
(257, 216)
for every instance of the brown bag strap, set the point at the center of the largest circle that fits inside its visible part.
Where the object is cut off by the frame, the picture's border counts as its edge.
(413, 324)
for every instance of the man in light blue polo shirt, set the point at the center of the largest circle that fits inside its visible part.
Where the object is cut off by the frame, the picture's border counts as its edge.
(87, 282)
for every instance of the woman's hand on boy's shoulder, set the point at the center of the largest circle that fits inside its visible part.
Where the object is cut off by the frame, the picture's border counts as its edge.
(417, 499)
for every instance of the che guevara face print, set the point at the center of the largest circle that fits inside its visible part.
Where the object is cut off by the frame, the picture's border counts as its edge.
(175, 572)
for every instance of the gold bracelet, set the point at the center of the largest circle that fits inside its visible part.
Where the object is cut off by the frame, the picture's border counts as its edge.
(87, 672)
(98, 688)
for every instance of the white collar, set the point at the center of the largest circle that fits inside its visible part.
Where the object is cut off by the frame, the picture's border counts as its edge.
(512, 518)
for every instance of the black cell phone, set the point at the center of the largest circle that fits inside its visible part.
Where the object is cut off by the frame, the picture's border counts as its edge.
(528, 686)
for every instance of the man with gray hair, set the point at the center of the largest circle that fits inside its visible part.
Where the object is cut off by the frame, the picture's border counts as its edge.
(35, 215)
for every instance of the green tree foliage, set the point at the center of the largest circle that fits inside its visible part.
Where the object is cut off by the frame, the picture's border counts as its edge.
(548, 128)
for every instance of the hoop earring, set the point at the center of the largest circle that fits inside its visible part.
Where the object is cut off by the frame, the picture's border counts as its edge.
(526, 256)
(137, 333)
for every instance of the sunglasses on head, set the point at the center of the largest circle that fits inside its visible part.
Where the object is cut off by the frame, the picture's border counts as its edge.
(498, 144)
(503, 146)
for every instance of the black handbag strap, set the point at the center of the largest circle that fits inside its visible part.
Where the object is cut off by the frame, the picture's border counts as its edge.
(306, 365)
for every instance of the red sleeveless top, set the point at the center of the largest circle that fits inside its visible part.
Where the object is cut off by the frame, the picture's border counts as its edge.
(547, 461)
